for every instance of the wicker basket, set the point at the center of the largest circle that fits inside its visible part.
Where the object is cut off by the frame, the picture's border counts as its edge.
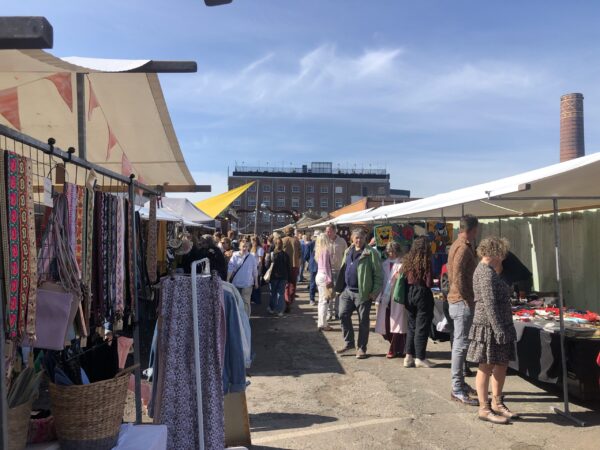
(18, 425)
(89, 416)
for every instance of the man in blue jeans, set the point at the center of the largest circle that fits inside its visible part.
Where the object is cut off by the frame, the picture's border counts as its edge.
(313, 268)
(462, 262)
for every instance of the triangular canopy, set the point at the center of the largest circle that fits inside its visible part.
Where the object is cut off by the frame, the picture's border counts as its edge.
(572, 182)
(128, 126)
(214, 206)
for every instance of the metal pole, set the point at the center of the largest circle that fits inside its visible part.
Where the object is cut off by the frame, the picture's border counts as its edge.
(3, 393)
(81, 132)
(136, 312)
(256, 210)
(566, 413)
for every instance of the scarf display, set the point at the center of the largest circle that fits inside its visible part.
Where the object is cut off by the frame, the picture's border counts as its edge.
(120, 258)
(18, 249)
(151, 251)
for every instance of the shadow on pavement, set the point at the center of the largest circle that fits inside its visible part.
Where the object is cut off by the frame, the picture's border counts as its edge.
(290, 345)
(284, 421)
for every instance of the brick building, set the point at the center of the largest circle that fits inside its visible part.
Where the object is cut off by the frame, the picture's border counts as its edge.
(318, 188)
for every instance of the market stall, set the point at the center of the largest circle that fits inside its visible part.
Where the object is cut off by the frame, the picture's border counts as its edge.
(560, 187)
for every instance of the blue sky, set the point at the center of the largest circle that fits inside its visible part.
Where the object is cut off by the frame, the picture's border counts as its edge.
(443, 94)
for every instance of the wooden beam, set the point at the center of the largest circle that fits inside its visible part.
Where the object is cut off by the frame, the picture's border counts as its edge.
(177, 188)
(167, 67)
(217, 2)
(25, 33)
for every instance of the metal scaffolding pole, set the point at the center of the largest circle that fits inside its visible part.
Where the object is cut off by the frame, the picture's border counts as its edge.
(566, 413)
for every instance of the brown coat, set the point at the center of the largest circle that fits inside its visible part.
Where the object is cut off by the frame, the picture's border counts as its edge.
(462, 262)
(291, 245)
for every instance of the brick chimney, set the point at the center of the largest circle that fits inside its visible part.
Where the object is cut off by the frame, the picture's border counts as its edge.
(571, 127)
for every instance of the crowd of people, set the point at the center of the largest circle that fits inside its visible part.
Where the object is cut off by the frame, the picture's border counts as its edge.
(344, 279)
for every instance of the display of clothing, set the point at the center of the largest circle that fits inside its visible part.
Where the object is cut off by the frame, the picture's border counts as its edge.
(243, 322)
(175, 397)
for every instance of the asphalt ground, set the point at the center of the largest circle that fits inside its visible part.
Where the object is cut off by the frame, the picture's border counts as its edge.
(303, 396)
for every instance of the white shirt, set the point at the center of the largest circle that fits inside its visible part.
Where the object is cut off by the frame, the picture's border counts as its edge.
(247, 273)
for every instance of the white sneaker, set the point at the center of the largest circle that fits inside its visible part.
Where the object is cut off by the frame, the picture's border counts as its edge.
(269, 310)
(424, 363)
(280, 314)
(409, 361)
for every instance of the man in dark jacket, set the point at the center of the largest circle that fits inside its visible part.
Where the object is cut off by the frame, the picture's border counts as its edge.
(313, 268)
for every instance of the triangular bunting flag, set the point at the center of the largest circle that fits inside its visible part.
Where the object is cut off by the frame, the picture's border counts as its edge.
(62, 81)
(112, 141)
(126, 167)
(9, 106)
(93, 104)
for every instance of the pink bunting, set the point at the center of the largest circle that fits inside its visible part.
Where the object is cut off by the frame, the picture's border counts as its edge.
(93, 104)
(126, 167)
(62, 81)
(9, 106)
(112, 141)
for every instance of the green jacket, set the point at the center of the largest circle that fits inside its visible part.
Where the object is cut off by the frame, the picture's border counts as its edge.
(370, 274)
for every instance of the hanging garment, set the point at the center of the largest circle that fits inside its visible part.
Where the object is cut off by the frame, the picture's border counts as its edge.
(234, 370)
(119, 305)
(17, 223)
(176, 384)
(243, 322)
(152, 242)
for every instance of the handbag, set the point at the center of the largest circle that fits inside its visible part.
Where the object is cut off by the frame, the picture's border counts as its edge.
(56, 309)
(267, 275)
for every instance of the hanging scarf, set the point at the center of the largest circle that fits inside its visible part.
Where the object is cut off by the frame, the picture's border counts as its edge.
(79, 213)
(71, 224)
(14, 250)
(120, 259)
(152, 237)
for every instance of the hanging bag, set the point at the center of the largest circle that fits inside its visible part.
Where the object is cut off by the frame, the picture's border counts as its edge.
(269, 272)
(401, 289)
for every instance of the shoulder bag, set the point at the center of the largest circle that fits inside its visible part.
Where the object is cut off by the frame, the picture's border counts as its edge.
(267, 275)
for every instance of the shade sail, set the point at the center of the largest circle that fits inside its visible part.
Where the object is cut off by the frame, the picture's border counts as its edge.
(163, 215)
(128, 125)
(572, 182)
(215, 205)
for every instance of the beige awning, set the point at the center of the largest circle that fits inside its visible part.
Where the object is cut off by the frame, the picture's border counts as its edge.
(127, 120)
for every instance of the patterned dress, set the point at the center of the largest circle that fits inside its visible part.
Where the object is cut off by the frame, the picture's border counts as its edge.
(176, 384)
(493, 333)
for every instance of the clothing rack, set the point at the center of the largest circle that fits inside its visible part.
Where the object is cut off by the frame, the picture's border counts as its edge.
(198, 369)
(46, 158)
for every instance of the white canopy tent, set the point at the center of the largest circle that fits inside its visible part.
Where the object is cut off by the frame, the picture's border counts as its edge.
(566, 186)
(344, 218)
(527, 193)
(127, 124)
(184, 208)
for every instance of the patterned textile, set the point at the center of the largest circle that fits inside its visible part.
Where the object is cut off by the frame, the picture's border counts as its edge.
(120, 260)
(99, 280)
(71, 194)
(493, 333)
(152, 242)
(176, 383)
(17, 222)
(131, 266)
(14, 251)
(79, 212)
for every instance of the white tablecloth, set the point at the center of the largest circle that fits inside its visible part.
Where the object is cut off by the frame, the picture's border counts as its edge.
(131, 437)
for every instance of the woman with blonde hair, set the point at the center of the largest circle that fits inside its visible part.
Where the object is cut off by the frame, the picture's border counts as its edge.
(324, 280)
(281, 273)
(493, 333)
(391, 313)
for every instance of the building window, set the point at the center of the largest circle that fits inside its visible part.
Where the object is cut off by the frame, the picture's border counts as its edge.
(252, 188)
(365, 191)
(281, 188)
(266, 200)
(266, 218)
(381, 190)
(310, 202)
(339, 189)
(251, 202)
(324, 189)
(280, 219)
(295, 189)
(237, 202)
(338, 203)
(310, 189)
(266, 188)
(324, 203)
(280, 202)
(295, 202)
